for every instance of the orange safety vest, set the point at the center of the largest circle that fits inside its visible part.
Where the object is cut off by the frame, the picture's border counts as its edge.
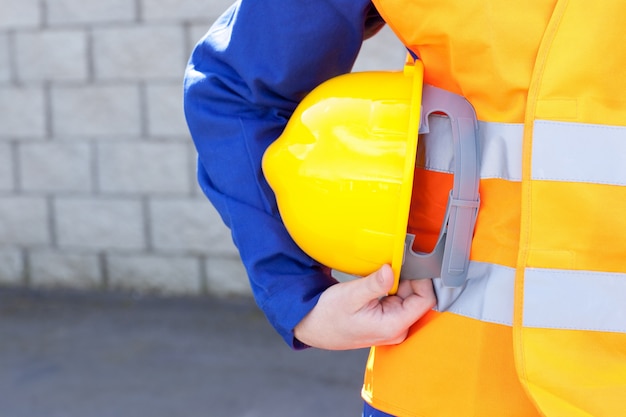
(540, 325)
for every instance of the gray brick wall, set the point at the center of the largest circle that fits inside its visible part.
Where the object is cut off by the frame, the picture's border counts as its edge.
(97, 170)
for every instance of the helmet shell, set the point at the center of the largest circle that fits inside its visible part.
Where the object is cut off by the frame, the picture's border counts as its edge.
(342, 170)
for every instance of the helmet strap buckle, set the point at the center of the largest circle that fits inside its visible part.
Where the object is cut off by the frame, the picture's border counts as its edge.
(449, 260)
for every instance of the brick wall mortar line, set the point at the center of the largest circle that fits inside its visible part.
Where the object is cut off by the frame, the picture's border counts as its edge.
(138, 12)
(13, 70)
(43, 8)
(94, 168)
(204, 279)
(143, 109)
(104, 270)
(91, 66)
(48, 110)
(187, 47)
(26, 267)
(147, 222)
(51, 221)
(17, 179)
(192, 158)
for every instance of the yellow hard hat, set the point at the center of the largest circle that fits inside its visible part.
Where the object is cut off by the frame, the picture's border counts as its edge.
(342, 170)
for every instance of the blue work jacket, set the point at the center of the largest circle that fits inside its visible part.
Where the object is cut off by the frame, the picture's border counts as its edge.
(243, 81)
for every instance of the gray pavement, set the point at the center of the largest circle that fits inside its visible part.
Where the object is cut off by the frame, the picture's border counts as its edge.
(70, 354)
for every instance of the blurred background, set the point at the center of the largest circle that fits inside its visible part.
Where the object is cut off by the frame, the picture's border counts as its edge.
(102, 226)
(97, 170)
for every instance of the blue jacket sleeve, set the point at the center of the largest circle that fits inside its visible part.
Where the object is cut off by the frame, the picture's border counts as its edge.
(243, 81)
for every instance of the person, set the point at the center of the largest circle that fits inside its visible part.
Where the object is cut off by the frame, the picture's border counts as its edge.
(539, 326)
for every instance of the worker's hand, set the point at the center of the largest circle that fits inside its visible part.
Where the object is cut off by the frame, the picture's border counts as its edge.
(358, 313)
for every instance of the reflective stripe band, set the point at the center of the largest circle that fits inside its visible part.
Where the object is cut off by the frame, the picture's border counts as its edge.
(561, 151)
(487, 296)
(575, 300)
(576, 152)
(499, 146)
(570, 158)
(554, 299)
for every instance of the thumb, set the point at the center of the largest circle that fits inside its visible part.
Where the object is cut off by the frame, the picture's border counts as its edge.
(373, 286)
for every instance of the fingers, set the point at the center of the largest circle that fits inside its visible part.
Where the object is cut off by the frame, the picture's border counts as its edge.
(423, 296)
(359, 313)
(421, 287)
(372, 287)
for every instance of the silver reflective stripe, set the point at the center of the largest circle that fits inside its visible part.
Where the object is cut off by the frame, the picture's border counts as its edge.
(553, 299)
(486, 296)
(576, 152)
(499, 147)
(501, 150)
(577, 300)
